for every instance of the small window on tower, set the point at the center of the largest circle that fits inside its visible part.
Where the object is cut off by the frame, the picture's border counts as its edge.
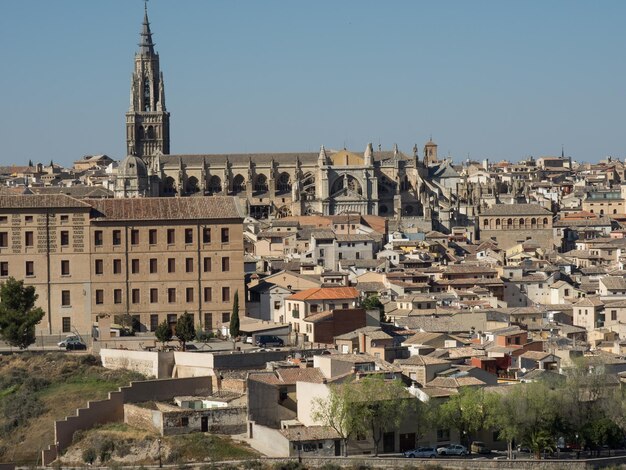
(146, 95)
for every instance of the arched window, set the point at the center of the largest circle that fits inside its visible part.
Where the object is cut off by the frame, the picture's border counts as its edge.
(193, 185)
(545, 221)
(486, 223)
(215, 185)
(261, 183)
(614, 211)
(533, 222)
(284, 183)
(521, 222)
(239, 184)
(509, 223)
(169, 187)
(497, 223)
(601, 211)
(150, 132)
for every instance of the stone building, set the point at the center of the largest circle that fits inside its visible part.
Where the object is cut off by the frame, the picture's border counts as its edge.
(151, 258)
(510, 224)
(387, 183)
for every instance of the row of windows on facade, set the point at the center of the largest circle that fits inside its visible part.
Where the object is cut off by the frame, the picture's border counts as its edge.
(66, 322)
(117, 266)
(153, 236)
(516, 222)
(135, 297)
(30, 219)
(29, 238)
(153, 263)
(64, 236)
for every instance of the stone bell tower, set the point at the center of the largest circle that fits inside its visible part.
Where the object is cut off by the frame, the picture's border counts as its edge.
(147, 120)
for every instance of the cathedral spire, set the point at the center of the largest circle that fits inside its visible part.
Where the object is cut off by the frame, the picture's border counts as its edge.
(147, 120)
(322, 158)
(368, 157)
(146, 46)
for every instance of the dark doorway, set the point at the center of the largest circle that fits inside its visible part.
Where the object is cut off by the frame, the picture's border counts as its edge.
(389, 442)
(337, 448)
(204, 424)
(407, 441)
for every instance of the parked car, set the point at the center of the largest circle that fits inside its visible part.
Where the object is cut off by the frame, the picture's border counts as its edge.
(265, 341)
(422, 452)
(478, 447)
(452, 449)
(72, 343)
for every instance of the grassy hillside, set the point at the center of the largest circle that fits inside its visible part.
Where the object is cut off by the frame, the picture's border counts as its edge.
(120, 444)
(36, 389)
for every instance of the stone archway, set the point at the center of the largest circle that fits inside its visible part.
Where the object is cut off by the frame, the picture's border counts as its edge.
(283, 211)
(308, 187)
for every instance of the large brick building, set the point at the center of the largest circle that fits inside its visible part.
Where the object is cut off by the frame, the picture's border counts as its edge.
(151, 258)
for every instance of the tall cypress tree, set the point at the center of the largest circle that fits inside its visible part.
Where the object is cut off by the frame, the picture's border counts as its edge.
(234, 318)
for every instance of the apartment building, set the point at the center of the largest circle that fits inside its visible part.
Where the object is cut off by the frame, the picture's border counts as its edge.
(152, 258)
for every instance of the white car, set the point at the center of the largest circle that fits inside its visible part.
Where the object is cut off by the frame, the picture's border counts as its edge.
(422, 452)
(452, 449)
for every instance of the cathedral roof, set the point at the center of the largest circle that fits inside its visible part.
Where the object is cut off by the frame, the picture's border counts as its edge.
(307, 158)
(132, 166)
(444, 170)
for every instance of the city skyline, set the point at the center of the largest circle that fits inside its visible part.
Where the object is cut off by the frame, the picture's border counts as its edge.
(489, 80)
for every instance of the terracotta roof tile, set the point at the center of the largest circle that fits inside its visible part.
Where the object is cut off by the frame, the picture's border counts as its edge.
(40, 202)
(326, 293)
(166, 208)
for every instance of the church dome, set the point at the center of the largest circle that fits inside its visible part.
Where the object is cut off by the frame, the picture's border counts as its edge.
(132, 166)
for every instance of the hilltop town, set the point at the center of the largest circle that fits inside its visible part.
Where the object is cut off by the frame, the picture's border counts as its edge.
(327, 303)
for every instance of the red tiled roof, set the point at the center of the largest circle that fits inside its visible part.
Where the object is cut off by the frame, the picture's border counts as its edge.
(326, 293)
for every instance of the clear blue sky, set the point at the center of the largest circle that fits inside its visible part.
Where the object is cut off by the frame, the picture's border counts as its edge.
(495, 79)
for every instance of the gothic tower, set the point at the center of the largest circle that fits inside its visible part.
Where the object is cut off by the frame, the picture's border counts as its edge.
(147, 120)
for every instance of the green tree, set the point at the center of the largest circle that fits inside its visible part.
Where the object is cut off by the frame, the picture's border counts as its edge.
(163, 332)
(468, 411)
(18, 315)
(425, 417)
(234, 318)
(542, 408)
(185, 329)
(539, 440)
(382, 404)
(372, 302)
(341, 411)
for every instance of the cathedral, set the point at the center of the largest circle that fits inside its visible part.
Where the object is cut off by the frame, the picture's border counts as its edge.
(375, 182)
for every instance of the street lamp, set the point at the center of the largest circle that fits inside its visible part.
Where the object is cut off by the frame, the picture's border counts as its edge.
(299, 448)
(160, 461)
